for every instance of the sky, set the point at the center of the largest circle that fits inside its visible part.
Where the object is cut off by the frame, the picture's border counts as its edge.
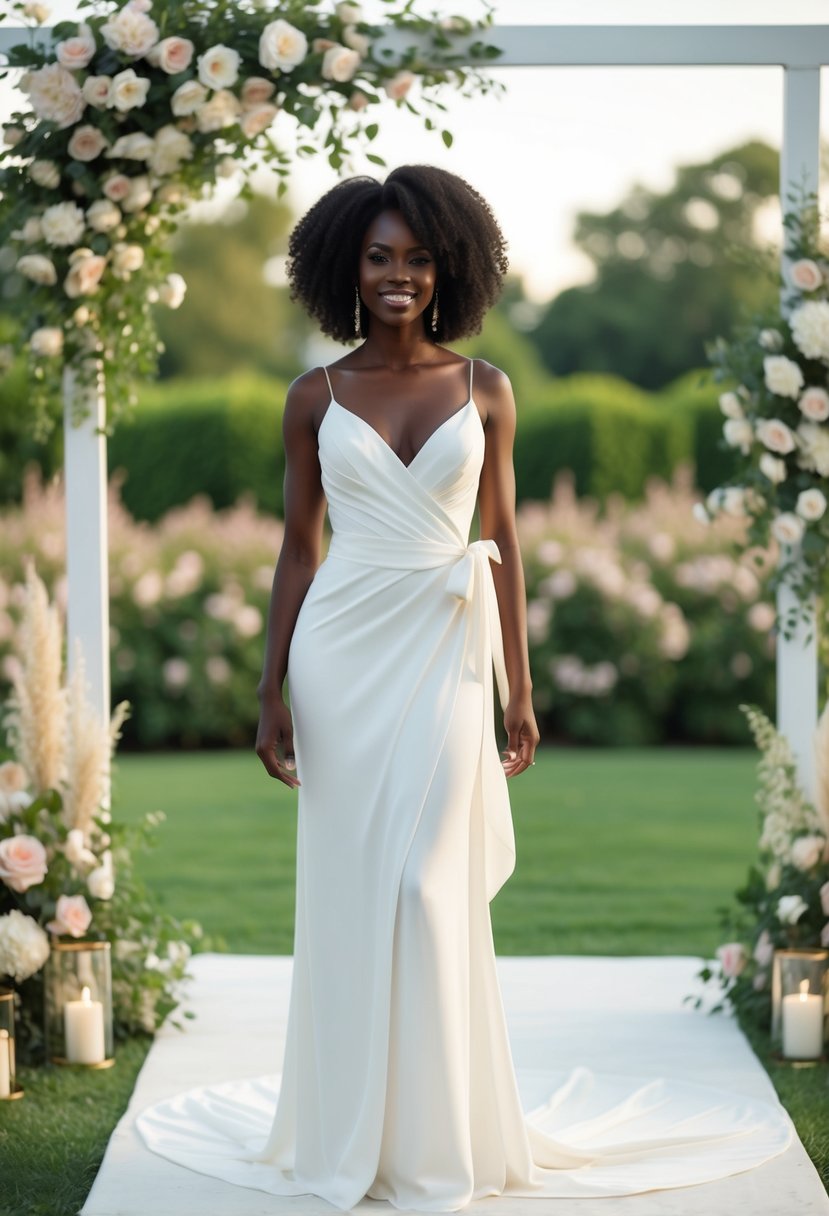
(566, 139)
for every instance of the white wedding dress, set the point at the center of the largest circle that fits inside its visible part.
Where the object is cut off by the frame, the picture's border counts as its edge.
(398, 1079)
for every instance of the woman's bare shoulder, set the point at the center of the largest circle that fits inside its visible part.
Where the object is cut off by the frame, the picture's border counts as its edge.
(306, 399)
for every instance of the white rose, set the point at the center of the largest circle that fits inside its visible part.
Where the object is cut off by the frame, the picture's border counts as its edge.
(140, 194)
(805, 275)
(135, 146)
(219, 67)
(339, 63)
(172, 291)
(63, 224)
(187, 98)
(170, 193)
(24, 947)
(776, 436)
(55, 95)
(103, 215)
(810, 329)
(38, 268)
(256, 91)
(257, 119)
(96, 90)
(399, 85)
(126, 259)
(86, 143)
(45, 173)
(101, 882)
(814, 404)
(282, 46)
(171, 148)
(790, 908)
(358, 42)
(130, 31)
(783, 376)
(76, 851)
(128, 90)
(738, 433)
(770, 339)
(731, 405)
(349, 13)
(814, 448)
(36, 11)
(811, 504)
(734, 501)
(75, 53)
(773, 468)
(48, 340)
(172, 55)
(787, 528)
(31, 231)
(73, 916)
(807, 851)
(116, 187)
(221, 110)
(84, 276)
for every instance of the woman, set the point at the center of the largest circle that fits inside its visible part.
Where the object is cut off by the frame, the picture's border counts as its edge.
(398, 1081)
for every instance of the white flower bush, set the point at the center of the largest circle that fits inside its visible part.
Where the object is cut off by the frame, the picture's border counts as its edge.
(142, 108)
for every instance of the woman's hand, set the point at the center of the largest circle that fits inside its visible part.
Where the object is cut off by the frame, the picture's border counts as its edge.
(275, 740)
(522, 735)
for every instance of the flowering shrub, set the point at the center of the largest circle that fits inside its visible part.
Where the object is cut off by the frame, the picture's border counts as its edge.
(785, 900)
(66, 869)
(778, 419)
(135, 112)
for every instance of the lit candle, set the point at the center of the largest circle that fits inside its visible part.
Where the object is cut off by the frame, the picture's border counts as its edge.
(803, 1024)
(5, 1065)
(83, 1023)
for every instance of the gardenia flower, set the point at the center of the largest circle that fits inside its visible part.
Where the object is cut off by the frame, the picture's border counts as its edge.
(807, 851)
(48, 340)
(340, 63)
(731, 405)
(75, 53)
(38, 268)
(128, 90)
(73, 915)
(810, 328)
(732, 957)
(219, 67)
(787, 528)
(63, 224)
(790, 908)
(87, 143)
(773, 467)
(55, 95)
(782, 376)
(770, 339)
(172, 55)
(282, 46)
(738, 433)
(811, 504)
(805, 275)
(22, 862)
(44, 173)
(24, 947)
(814, 448)
(776, 436)
(130, 31)
(814, 404)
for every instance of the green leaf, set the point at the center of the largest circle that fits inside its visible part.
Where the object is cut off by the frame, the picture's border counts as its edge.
(374, 158)
(447, 138)
(371, 130)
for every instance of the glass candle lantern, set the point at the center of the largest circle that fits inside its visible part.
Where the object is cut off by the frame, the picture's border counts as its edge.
(78, 1004)
(800, 1003)
(8, 1084)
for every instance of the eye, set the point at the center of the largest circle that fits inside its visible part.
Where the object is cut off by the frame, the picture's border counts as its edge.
(373, 256)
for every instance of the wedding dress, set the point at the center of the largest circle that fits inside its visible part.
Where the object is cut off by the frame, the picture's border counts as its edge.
(398, 1080)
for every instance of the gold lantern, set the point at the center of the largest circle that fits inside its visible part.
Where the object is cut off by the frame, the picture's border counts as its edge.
(800, 1003)
(8, 1085)
(78, 1004)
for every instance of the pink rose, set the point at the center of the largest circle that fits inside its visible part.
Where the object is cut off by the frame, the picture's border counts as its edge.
(805, 274)
(764, 949)
(814, 404)
(75, 53)
(732, 957)
(256, 91)
(86, 143)
(84, 276)
(72, 916)
(399, 85)
(171, 54)
(257, 119)
(807, 851)
(117, 187)
(22, 862)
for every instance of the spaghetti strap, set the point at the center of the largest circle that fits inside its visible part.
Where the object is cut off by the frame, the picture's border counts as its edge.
(328, 378)
(471, 366)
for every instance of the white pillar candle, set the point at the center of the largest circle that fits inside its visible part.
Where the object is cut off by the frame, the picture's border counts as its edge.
(803, 1024)
(5, 1064)
(83, 1023)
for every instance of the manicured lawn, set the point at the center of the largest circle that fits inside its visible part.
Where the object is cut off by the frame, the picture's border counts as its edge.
(619, 852)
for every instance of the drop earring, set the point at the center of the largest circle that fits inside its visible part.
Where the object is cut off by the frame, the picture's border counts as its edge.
(357, 330)
(435, 311)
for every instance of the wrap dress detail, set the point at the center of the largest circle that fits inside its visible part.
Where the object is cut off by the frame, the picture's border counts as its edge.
(398, 1080)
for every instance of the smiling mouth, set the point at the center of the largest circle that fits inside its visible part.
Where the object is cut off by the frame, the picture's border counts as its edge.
(397, 297)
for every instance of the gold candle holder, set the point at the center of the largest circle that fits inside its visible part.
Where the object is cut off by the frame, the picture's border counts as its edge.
(9, 1088)
(78, 1004)
(800, 1004)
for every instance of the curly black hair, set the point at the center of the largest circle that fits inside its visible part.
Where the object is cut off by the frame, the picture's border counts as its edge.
(444, 212)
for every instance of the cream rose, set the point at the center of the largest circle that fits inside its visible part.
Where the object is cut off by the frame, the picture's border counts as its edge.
(172, 55)
(62, 224)
(96, 90)
(776, 436)
(773, 467)
(76, 851)
(807, 851)
(811, 504)
(790, 908)
(140, 194)
(282, 46)
(172, 291)
(31, 231)
(399, 85)
(814, 404)
(358, 42)
(731, 406)
(36, 11)
(84, 276)
(45, 173)
(135, 146)
(257, 120)
(732, 958)
(349, 13)
(187, 98)
(128, 90)
(75, 53)
(770, 339)
(787, 528)
(256, 91)
(48, 340)
(339, 63)
(219, 67)
(221, 110)
(73, 916)
(55, 95)
(126, 259)
(86, 143)
(738, 433)
(810, 329)
(734, 501)
(116, 187)
(782, 376)
(814, 447)
(37, 268)
(805, 275)
(22, 862)
(130, 31)
(103, 215)
(101, 881)
(171, 148)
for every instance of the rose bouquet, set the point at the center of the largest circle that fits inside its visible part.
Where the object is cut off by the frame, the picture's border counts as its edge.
(137, 111)
(65, 867)
(778, 419)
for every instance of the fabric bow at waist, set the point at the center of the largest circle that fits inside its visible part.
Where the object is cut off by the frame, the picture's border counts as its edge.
(469, 578)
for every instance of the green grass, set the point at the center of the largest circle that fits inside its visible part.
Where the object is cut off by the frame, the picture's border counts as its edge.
(618, 852)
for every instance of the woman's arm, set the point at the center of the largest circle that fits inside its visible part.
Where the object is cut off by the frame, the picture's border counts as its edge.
(299, 558)
(496, 505)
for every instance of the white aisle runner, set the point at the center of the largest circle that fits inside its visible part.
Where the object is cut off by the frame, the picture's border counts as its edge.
(613, 1015)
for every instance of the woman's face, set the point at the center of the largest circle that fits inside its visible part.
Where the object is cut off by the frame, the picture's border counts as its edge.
(397, 274)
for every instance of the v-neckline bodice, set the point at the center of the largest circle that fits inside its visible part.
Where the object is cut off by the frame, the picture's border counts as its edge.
(455, 414)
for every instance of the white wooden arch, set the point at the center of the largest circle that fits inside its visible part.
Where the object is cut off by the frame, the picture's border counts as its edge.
(800, 50)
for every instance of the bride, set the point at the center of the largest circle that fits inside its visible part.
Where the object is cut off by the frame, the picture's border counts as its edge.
(398, 1081)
